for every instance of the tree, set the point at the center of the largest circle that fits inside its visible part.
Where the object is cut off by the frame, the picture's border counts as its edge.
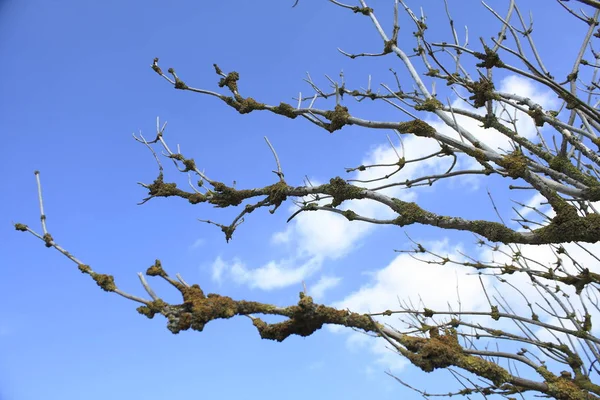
(558, 162)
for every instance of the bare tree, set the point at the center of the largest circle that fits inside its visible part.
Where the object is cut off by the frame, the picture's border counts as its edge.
(560, 163)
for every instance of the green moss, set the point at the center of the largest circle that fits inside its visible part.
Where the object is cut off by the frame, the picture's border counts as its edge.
(430, 104)
(592, 193)
(537, 115)
(338, 118)
(159, 188)
(563, 388)
(587, 323)
(350, 215)
(388, 46)
(564, 165)
(341, 191)
(193, 293)
(490, 58)
(145, 311)
(432, 353)
(571, 101)
(190, 165)
(196, 198)
(490, 121)
(479, 155)
(106, 282)
(155, 307)
(48, 240)
(579, 281)
(515, 164)
(509, 269)
(21, 227)
(362, 10)
(305, 301)
(84, 268)
(596, 141)
(483, 90)
(248, 105)
(230, 81)
(156, 269)
(207, 308)
(485, 368)
(568, 226)
(286, 110)
(230, 101)
(408, 212)
(495, 314)
(155, 66)
(277, 193)
(417, 127)
(179, 84)
(225, 196)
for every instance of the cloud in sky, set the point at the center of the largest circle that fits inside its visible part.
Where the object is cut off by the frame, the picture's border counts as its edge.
(315, 237)
(414, 282)
(197, 243)
(319, 236)
(272, 275)
(409, 279)
(491, 137)
(317, 291)
(437, 287)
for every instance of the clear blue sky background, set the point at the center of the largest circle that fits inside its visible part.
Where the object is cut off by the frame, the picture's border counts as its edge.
(75, 83)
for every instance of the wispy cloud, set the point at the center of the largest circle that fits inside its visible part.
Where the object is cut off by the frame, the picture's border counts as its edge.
(317, 291)
(524, 124)
(197, 243)
(272, 275)
(416, 283)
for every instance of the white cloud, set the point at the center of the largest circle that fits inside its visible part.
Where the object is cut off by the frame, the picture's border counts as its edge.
(409, 279)
(199, 242)
(319, 236)
(416, 282)
(315, 237)
(219, 267)
(491, 137)
(433, 286)
(282, 237)
(331, 236)
(272, 275)
(328, 235)
(542, 258)
(317, 291)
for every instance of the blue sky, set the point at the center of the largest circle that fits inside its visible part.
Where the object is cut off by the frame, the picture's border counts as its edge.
(75, 83)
